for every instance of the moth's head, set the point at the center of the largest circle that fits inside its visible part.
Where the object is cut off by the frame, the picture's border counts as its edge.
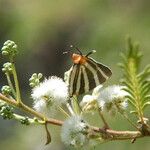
(76, 58)
(79, 58)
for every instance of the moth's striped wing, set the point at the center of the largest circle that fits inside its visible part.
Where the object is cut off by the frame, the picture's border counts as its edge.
(85, 77)
(73, 78)
(101, 70)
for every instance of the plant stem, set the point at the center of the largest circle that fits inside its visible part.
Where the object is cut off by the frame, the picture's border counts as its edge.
(18, 97)
(31, 121)
(75, 105)
(103, 119)
(119, 135)
(8, 100)
(63, 111)
(70, 109)
(10, 85)
(39, 115)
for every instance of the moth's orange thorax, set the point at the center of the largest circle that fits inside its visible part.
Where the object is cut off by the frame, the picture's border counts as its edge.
(78, 59)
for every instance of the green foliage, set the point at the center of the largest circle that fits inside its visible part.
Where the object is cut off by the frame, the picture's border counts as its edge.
(137, 83)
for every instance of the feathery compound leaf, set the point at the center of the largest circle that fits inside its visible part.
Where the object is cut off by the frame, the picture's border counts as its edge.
(136, 83)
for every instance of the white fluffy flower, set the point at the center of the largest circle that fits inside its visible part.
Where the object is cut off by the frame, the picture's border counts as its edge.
(49, 94)
(97, 90)
(112, 98)
(111, 93)
(86, 99)
(73, 130)
(89, 102)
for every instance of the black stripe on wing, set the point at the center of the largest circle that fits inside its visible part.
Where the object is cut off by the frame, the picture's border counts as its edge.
(73, 79)
(94, 65)
(91, 80)
(82, 84)
(107, 72)
(105, 69)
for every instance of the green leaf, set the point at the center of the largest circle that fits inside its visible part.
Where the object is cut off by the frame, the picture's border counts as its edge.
(136, 83)
(146, 104)
(133, 112)
(146, 98)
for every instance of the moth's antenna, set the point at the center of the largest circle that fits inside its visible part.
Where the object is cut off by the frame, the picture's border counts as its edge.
(76, 49)
(93, 51)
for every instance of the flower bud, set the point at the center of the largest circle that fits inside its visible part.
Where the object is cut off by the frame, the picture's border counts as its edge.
(9, 49)
(7, 67)
(6, 112)
(6, 90)
(35, 79)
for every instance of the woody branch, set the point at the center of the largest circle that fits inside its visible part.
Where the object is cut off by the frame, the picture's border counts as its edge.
(108, 134)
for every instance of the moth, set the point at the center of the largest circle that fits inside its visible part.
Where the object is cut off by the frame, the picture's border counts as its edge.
(86, 73)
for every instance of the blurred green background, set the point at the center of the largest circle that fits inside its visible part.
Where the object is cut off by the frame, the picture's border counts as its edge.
(44, 29)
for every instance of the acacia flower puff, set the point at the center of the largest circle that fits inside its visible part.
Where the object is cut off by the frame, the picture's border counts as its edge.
(49, 94)
(73, 132)
(111, 93)
(113, 98)
(89, 102)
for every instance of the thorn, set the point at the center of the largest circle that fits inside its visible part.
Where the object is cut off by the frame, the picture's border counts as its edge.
(133, 140)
